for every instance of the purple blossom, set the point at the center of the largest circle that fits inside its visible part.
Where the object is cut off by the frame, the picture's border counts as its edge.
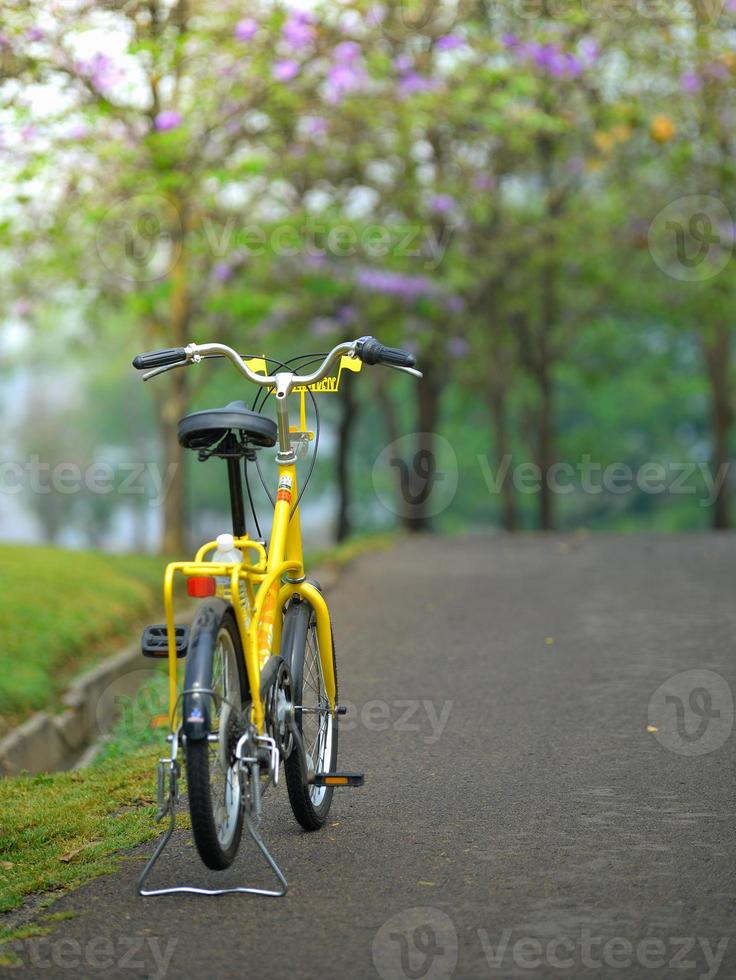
(509, 40)
(483, 182)
(222, 271)
(101, 71)
(690, 82)
(343, 79)
(166, 120)
(79, 132)
(374, 15)
(4, 42)
(315, 125)
(550, 58)
(28, 133)
(285, 70)
(35, 34)
(397, 284)
(322, 326)
(457, 347)
(403, 63)
(731, 6)
(455, 304)
(346, 315)
(413, 82)
(443, 203)
(589, 50)
(347, 53)
(246, 29)
(450, 42)
(715, 70)
(298, 31)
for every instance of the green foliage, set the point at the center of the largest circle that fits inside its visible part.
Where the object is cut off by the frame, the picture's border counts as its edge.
(58, 610)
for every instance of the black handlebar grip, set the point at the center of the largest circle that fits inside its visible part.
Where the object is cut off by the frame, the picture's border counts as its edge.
(371, 351)
(159, 358)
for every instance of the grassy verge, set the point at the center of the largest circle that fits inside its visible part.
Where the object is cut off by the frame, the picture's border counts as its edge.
(62, 830)
(60, 610)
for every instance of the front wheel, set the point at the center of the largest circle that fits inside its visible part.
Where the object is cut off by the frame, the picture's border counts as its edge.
(212, 771)
(310, 804)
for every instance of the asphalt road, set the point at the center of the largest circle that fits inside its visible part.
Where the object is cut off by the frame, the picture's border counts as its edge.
(518, 818)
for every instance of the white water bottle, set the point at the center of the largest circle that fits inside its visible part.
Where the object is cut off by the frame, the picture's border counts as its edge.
(226, 551)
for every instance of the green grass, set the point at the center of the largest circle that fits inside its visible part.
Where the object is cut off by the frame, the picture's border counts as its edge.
(60, 610)
(64, 829)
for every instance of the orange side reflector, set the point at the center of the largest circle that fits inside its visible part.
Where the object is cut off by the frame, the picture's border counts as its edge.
(200, 586)
(336, 781)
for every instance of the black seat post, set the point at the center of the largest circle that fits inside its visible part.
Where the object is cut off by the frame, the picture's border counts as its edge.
(235, 482)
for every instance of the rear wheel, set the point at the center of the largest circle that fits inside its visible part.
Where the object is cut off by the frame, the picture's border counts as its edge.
(311, 804)
(212, 773)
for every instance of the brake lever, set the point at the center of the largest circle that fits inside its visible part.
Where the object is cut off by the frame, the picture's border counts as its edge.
(161, 370)
(407, 370)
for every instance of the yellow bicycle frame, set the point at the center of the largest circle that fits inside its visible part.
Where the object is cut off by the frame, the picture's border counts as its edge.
(268, 580)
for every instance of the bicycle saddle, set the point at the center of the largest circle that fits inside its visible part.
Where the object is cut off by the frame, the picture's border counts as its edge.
(201, 430)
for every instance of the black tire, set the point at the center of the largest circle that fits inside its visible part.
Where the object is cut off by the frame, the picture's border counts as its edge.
(212, 779)
(310, 804)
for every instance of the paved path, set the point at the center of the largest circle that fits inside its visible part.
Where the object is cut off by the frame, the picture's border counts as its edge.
(518, 819)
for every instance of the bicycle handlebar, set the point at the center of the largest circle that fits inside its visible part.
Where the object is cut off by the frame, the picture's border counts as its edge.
(159, 358)
(366, 349)
(370, 351)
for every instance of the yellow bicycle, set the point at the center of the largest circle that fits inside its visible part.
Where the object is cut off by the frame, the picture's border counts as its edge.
(260, 683)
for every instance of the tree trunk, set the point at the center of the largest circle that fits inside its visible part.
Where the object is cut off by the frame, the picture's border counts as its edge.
(499, 420)
(545, 449)
(345, 431)
(416, 489)
(174, 537)
(717, 353)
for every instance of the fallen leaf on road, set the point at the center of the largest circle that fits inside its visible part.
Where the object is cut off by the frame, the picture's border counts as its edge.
(429, 884)
(549, 640)
(652, 728)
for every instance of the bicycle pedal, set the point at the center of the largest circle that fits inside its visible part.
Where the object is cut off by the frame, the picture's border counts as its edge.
(155, 641)
(336, 779)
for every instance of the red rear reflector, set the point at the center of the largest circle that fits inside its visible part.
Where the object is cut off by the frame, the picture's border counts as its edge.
(200, 586)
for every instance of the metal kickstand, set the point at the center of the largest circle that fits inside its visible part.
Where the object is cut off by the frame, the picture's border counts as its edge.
(168, 796)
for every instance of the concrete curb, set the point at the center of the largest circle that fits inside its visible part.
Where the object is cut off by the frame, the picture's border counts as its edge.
(47, 742)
